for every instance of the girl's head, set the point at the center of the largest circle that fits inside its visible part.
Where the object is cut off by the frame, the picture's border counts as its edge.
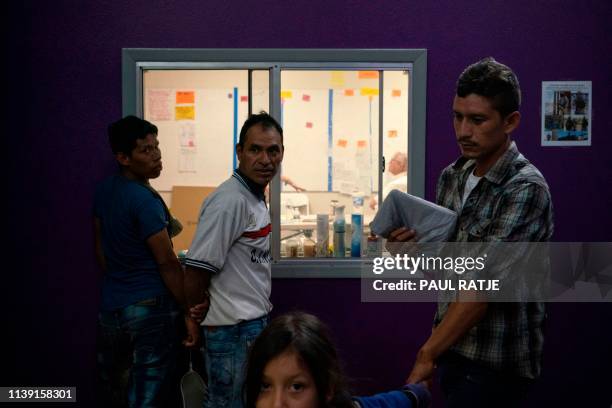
(293, 362)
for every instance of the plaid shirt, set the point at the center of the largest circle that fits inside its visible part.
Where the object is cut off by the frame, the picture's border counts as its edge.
(510, 203)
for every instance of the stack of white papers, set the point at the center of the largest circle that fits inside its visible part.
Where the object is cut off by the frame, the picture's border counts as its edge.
(432, 223)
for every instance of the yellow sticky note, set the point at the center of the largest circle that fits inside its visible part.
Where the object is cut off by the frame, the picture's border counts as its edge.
(337, 78)
(367, 75)
(286, 94)
(369, 92)
(185, 97)
(184, 112)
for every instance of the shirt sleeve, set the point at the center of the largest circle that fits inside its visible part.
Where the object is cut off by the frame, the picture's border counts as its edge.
(150, 217)
(220, 224)
(393, 399)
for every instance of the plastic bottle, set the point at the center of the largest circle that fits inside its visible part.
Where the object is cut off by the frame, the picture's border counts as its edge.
(339, 228)
(322, 235)
(357, 225)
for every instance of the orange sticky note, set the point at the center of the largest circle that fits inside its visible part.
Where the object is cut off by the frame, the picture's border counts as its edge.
(349, 92)
(362, 143)
(367, 75)
(396, 92)
(392, 133)
(342, 143)
(185, 97)
(306, 98)
(184, 112)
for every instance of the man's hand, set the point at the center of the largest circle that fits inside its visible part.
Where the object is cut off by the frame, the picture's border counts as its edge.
(423, 369)
(402, 234)
(400, 241)
(193, 333)
(198, 312)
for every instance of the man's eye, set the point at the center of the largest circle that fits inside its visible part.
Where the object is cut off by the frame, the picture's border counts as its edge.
(478, 121)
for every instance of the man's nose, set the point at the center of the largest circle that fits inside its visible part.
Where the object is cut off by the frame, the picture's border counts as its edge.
(464, 128)
(265, 158)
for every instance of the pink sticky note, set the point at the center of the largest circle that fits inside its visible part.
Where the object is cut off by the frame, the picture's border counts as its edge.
(306, 98)
(244, 99)
(309, 125)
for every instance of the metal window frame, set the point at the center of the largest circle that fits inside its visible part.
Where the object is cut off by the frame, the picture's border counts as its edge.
(136, 60)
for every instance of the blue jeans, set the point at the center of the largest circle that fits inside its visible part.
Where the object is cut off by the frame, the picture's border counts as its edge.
(226, 350)
(137, 351)
(465, 383)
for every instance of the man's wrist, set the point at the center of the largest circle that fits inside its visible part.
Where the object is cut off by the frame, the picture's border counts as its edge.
(426, 353)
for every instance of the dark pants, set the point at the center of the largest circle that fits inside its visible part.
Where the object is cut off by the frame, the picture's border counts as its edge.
(469, 384)
(137, 352)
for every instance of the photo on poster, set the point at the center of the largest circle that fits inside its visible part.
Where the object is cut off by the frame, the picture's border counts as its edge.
(566, 113)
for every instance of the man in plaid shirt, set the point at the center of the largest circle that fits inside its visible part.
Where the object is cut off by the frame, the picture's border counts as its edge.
(488, 354)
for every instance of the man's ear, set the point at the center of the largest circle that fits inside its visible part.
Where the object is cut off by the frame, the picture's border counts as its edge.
(511, 122)
(239, 151)
(123, 159)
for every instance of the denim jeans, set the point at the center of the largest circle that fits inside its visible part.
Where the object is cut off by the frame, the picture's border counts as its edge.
(137, 351)
(465, 383)
(226, 350)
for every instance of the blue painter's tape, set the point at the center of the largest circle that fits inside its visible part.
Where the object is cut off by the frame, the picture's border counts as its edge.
(235, 127)
(330, 139)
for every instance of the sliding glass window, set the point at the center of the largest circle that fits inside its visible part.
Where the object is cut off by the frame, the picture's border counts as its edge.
(353, 124)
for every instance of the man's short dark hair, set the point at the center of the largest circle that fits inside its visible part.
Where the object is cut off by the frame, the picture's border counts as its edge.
(492, 80)
(123, 134)
(266, 121)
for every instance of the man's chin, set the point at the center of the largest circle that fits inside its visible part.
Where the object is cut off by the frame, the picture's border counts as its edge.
(469, 154)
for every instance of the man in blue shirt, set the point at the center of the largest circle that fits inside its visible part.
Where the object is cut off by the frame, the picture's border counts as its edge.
(143, 279)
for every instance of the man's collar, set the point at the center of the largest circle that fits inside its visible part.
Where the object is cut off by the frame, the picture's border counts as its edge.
(253, 187)
(498, 171)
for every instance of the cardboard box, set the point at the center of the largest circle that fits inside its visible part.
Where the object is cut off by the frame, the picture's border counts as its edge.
(186, 204)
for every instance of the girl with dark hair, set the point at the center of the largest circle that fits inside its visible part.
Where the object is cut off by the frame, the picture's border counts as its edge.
(293, 363)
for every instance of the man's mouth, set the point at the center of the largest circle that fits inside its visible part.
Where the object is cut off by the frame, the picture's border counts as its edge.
(464, 144)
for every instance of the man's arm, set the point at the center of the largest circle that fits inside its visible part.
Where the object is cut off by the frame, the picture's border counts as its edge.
(170, 268)
(459, 319)
(98, 244)
(197, 282)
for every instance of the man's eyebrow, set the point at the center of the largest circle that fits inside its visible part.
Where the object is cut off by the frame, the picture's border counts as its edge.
(469, 114)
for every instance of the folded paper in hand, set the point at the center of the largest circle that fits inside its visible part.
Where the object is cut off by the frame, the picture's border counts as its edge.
(432, 223)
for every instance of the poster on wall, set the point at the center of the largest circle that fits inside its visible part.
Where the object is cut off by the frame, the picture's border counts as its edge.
(566, 113)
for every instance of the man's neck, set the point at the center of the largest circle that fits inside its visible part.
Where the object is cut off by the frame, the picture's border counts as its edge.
(257, 189)
(484, 165)
(131, 176)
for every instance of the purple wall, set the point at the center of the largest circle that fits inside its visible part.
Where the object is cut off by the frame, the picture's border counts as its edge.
(64, 87)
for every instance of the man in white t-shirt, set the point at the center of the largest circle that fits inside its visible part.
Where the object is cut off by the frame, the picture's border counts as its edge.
(228, 262)
(398, 169)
